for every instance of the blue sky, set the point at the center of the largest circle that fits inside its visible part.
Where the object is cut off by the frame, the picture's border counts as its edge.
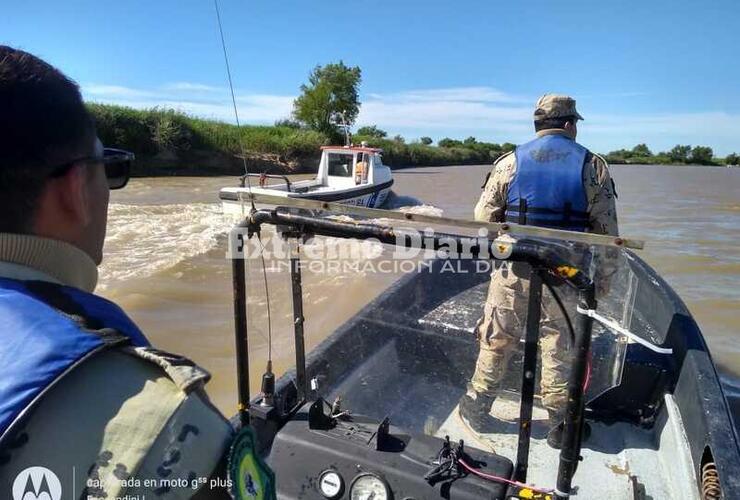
(663, 72)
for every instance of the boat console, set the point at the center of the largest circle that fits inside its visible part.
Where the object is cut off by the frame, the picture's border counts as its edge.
(317, 455)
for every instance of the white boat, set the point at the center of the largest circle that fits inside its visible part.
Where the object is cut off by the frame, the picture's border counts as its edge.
(353, 175)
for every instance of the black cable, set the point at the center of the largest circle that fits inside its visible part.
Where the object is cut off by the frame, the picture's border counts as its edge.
(562, 309)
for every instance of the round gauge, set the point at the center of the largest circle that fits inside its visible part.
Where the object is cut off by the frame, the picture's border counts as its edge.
(331, 484)
(369, 487)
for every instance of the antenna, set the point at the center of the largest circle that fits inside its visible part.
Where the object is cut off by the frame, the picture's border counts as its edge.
(233, 98)
(243, 378)
(338, 118)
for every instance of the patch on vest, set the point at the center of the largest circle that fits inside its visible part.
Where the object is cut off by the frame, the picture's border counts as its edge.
(249, 476)
(183, 372)
(547, 155)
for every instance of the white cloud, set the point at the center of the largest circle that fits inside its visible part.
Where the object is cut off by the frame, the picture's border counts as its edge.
(196, 99)
(116, 92)
(455, 94)
(190, 86)
(481, 111)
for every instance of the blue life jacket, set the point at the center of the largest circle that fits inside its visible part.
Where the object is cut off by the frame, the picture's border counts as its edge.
(547, 189)
(46, 330)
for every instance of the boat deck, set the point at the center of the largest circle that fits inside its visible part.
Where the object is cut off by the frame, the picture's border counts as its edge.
(620, 461)
(421, 360)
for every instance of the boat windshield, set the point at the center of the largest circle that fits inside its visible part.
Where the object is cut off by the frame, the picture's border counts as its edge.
(340, 164)
(405, 334)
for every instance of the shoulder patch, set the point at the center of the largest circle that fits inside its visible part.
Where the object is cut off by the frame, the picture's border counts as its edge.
(183, 372)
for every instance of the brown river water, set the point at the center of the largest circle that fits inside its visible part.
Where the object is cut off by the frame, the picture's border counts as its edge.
(165, 261)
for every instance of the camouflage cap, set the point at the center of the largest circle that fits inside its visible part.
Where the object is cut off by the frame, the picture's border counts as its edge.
(555, 106)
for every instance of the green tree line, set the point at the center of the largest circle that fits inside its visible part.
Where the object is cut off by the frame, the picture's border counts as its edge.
(678, 155)
(167, 142)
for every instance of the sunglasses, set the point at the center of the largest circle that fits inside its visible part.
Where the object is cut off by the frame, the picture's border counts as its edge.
(117, 163)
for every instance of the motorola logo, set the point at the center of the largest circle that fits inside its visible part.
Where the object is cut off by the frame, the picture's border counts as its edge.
(37, 483)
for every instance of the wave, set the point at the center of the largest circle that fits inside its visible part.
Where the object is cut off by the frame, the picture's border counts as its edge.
(409, 204)
(144, 239)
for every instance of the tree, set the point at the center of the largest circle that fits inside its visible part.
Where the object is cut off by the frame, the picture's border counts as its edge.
(288, 123)
(449, 143)
(469, 141)
(331, 89)
(701, 155)
(642, 150)
(426, 140)
(618, 156)
(507, 146)
(399, 139)
(732, 159)
(372, 131)
(680, 153)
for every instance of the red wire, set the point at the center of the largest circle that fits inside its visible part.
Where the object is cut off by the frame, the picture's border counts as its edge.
(491, 477)
(588, 372)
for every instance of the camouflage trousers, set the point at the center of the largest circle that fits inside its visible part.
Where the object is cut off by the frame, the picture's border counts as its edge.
(501, 328)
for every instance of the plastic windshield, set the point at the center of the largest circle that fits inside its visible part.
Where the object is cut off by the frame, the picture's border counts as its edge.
(404, 334)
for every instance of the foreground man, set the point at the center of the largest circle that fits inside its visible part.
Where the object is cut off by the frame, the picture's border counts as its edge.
(81, 392)
(553, 182)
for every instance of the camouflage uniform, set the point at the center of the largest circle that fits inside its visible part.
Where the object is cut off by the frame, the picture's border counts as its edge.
(502, 325)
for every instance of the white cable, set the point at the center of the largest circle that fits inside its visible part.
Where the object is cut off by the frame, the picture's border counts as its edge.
(613, 325)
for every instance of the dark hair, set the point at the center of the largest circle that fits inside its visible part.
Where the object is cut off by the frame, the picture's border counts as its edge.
(43, 123)
(549, 123)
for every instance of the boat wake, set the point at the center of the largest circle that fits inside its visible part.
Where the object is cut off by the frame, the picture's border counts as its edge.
(409, 204)
(145, 239)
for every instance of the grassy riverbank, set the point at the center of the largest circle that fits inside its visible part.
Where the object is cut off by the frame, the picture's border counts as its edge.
(170, 143)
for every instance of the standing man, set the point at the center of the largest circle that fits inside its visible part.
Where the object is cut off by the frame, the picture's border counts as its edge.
(551, 181)
(86, 404)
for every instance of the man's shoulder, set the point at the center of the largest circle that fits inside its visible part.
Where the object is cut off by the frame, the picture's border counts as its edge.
(596, 170)
(505, 164)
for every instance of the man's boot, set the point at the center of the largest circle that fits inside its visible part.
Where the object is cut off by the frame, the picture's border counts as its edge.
(475, 410)
(557, 427)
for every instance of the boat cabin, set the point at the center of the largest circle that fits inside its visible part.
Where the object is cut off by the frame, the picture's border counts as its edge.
(347, 166)
(347, 174)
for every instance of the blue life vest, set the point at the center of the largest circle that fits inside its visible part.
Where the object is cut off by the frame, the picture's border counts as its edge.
(547, 188)
(45, 331)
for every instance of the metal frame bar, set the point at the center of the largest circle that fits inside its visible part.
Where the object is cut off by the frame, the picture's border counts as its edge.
(267, 176)
(570, 453)
(529, 369)
(298, 320)
(494, 228)
(241, 340)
